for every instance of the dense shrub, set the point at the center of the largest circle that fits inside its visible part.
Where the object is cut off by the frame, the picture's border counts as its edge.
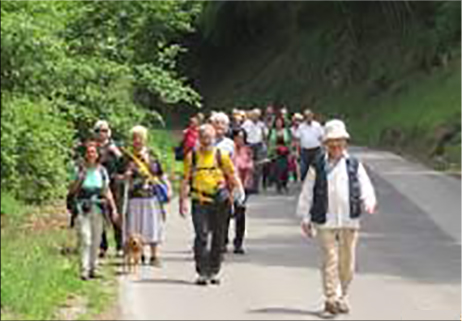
(35, 146)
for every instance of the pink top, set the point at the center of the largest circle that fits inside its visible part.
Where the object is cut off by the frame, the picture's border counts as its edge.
(244, 164)
(190, 138)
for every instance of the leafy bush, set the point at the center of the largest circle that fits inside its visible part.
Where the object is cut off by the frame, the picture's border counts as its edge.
(67, 64)
(35, 146)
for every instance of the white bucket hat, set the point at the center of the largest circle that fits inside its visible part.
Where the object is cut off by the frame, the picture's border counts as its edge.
(335, 129)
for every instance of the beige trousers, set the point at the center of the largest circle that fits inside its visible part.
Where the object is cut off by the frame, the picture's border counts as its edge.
(90, 228)
(338, 248)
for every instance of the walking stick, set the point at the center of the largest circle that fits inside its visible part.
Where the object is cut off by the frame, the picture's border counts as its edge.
(124, 210)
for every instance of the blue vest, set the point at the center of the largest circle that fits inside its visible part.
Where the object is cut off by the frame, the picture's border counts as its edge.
(320, 204)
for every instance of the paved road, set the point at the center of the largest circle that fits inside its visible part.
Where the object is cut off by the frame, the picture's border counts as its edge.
(409, 259)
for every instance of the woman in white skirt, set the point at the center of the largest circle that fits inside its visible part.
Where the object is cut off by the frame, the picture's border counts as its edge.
(148, 190)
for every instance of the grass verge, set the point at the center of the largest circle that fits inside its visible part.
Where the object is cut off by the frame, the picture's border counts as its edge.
(38, 281)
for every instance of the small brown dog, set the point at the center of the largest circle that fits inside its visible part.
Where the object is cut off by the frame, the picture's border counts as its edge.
(132, 253)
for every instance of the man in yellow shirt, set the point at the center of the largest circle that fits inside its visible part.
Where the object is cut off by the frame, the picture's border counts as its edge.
(209, 175)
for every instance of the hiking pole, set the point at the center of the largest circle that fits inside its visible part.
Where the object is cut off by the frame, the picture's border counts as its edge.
(124, 210)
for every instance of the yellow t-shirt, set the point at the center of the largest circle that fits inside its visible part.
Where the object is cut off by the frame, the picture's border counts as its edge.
(208, 175)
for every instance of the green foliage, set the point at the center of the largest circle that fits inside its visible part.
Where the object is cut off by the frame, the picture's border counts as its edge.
(388, 66)
(67, 64)
(35, 145)
(447, 24)
(37, 280)
(11, 208)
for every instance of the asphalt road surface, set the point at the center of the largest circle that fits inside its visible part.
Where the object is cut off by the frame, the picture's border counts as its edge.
(409, 258)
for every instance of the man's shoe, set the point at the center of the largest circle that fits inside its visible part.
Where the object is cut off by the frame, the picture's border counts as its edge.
(343, 306)
(239, 250)
(201, 280)
(331, 308)
(215, 280)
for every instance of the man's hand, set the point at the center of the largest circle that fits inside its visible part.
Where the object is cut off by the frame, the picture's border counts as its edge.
(239, 196)
(371, 209)
(307, 229)
(183, 207)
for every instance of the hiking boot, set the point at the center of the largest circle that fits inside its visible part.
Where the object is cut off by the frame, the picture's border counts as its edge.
(201, 280)
(239, 250)
(331, 308)
(94, 275)
(154, 261)
(215, 280)
(343, 306)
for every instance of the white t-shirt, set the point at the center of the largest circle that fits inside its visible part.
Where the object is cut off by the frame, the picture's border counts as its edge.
(255, 131)
(310, 136)
(226, 145)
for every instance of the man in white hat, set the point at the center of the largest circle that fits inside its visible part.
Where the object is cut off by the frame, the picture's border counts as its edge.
(335, 191)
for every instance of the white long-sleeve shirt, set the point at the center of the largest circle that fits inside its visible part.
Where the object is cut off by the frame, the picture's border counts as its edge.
(338, 212)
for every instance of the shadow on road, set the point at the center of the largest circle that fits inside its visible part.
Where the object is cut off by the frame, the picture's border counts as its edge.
(290, 311)
(401, 240)
(166, 281)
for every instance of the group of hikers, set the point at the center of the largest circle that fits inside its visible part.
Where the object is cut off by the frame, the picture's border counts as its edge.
(226, 159)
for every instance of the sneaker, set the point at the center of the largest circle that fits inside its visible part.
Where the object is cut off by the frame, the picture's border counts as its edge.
(239, 250)
(201, 280)
(102, 254)
(331, 308)
(120, 254)
(154, 261)
(343, 306)
(94, 275)
(215, 280)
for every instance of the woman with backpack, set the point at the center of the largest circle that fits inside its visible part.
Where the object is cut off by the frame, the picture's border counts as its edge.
(148, 190)
(90, 188)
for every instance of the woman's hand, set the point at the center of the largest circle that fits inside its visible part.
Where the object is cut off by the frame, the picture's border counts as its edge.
(116, 218)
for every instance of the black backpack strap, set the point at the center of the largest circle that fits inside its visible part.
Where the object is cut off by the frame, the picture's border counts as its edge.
(352, 164)
(193, 159)
(193, 166)
(104, 175)
(219, 158)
